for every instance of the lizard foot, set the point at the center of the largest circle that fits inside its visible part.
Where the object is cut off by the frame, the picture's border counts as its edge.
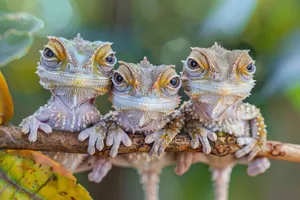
(100, 169)
(161, 140)
(31, 125)
(258, 166)
(202, 135)
(115, 136)
(96, 135)
(251, 147)
(184, 160)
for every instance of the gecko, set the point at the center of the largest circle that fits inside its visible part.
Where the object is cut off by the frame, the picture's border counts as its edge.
(75, 71)
(217, 81)
(144, 96)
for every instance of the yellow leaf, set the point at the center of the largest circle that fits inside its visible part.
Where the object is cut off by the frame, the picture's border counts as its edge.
(28, 174)
(6, 103)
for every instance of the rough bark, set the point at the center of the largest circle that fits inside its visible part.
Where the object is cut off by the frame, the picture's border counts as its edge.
(59, 141)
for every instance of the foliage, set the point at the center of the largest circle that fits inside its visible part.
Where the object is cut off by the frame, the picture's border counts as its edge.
(29, 175)
(6, 103)
(16, 35)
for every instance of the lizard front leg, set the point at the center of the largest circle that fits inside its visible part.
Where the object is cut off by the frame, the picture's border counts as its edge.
(253, 145)
(115, 136)
(163, 137)
(96, 135)
(106, 127)
(37, 121)
(199, 134)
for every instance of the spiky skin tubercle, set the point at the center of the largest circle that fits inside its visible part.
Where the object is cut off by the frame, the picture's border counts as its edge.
(75, 72)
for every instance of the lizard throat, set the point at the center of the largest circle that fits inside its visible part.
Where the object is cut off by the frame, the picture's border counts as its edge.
(216, 108)
(200, 87)
(52, 79)
(146, 104)
(137, 121)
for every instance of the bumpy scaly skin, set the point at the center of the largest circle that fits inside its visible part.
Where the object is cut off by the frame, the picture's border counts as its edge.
(75, 72)
(217, 80)
(144, 97)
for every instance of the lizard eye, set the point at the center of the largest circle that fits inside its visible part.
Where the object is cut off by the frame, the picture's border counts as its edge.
(246, 72)
(110, 59)
(118, 78)
(195, 69)
(172, 88)
(251, 68)
(175, 82)
(119, 83)
(48, 53)
(192, 64)
(49, 59)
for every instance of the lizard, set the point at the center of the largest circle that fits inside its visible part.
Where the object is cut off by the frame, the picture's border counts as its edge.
(27, 174)
(217, 81)
(75, 71)
(144, 96)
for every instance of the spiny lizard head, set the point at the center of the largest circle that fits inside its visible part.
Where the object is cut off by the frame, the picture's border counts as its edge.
(147, 90)
(76, 63)
(218, 77)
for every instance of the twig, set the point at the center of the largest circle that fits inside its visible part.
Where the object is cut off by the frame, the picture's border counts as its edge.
(59, 141)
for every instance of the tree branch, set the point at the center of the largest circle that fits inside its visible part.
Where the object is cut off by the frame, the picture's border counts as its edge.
(59, 141)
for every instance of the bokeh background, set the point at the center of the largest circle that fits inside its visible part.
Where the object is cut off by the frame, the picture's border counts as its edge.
(163, 31)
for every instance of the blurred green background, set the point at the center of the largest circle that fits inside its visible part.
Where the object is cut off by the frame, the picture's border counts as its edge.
(163, 31)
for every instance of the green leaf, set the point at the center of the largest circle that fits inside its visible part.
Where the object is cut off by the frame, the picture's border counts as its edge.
(16, 35)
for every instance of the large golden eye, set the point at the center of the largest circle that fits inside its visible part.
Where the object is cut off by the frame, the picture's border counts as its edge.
(175, 82)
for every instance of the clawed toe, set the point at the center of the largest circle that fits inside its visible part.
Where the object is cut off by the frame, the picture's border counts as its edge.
(204, 136)
(96, 135)
(31, 125)
(115, 137)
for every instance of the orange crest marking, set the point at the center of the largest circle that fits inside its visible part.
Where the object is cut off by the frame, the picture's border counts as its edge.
(57, 47)
(102, 52)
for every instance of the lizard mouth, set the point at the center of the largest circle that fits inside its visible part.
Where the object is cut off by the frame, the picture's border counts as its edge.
(201, 87)
(150, 104)
(52, 79)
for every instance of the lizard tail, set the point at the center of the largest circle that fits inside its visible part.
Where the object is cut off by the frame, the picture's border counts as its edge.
(150, 181)
(221, 179)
